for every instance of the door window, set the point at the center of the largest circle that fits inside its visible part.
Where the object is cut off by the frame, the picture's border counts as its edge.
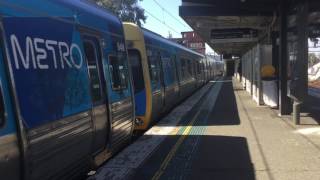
(154, 69)
(118, 73)
(92, 56)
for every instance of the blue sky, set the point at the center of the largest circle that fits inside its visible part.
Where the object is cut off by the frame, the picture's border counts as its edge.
(155, 24)
(171, 6)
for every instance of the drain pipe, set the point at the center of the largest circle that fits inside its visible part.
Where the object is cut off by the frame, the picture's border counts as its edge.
(296, 112)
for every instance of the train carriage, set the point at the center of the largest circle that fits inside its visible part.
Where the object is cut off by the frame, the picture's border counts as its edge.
(66, 92)
(164, 73)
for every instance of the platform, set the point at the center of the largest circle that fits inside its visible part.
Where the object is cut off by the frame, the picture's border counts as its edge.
(220, 133)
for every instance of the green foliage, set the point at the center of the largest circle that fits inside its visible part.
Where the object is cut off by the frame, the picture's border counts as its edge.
(126, 10)
(313, 59)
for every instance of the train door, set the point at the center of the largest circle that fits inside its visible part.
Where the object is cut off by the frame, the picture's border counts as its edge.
(120, 93)
(138, 82)
(191, 86)
(9, 148)
(184, 77)
(175, 64)
(198, 73)
(154, 71)
(99, 110)
(170, 80)
(162, 83)
(195, 70)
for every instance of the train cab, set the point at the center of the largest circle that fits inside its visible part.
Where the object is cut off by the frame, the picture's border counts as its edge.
(137, 55)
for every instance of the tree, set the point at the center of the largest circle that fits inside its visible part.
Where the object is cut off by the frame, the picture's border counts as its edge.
(313, 59)
(126, 10)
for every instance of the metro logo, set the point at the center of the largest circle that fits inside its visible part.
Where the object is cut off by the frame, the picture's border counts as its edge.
(36, 53)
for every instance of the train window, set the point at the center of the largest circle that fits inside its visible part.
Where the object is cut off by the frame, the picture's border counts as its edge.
(92, 56)
(199, 67)
(118, 73)
(183, 68)
(153, 69)
(174, 60)
(195, 69)
(137, 70)
(189, 63)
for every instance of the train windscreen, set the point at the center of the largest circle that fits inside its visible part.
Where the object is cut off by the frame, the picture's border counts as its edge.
(137, 70)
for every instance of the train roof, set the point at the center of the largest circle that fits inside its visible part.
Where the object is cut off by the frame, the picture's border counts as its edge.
(161, 39)
(214, 58)
(82, 12)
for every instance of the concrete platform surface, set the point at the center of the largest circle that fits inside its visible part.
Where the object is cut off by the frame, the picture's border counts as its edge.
(220, 133)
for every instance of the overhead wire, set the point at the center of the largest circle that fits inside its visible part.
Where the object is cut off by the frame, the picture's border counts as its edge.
(162, 22)
(163, 9)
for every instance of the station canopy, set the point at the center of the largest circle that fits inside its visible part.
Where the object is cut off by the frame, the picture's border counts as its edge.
(230, 27)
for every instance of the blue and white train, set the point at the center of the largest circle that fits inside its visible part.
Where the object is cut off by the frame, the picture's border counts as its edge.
(66, 89)
(164, 73)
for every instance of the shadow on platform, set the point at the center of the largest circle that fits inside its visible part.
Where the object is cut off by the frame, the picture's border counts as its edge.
(213, 157)
(223, 158)
(225, 111)
(311, 108)
(198, 155)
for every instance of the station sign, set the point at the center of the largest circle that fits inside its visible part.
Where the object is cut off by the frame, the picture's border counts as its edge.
(233, 35)
(197, 45)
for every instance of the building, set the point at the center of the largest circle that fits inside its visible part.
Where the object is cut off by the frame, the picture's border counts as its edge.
(192, 41)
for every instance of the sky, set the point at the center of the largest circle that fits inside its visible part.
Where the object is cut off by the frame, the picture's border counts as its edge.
(167, 20)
